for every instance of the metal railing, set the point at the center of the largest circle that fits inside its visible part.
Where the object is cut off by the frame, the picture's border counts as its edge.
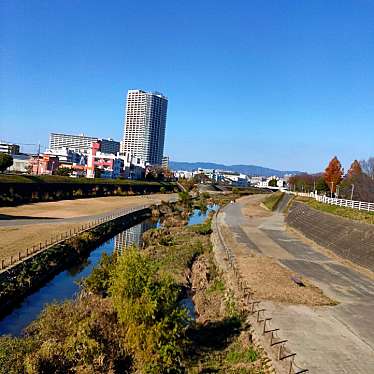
(14, 260)
(353, 204)
(258, 312)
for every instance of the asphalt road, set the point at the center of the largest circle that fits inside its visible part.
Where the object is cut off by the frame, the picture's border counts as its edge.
(333, 339)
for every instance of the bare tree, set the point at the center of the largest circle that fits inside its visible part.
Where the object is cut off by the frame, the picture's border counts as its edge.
(368, 167)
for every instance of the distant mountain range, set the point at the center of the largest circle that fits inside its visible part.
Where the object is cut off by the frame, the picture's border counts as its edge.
(245, 169)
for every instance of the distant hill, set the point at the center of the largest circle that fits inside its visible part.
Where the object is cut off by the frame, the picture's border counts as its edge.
(245, 169)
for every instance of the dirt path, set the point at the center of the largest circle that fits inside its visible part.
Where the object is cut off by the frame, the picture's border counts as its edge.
(41, 221)
(328, 339)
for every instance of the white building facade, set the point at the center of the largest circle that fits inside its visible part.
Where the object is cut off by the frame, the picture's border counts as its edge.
(144, 125)
(78, 143)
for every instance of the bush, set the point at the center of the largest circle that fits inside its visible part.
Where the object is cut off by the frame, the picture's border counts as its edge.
(147, 307)
(203, 228)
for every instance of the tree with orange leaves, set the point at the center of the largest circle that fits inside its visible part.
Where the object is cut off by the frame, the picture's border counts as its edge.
(333, 174)
(355, 169)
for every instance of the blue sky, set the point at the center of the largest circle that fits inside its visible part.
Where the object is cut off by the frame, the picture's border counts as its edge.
(283, 84)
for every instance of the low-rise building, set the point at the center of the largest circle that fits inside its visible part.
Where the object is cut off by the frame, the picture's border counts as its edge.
(264, 182)
(21, 164)
(103, 165)
(44, 164)
(165, 162)
(183, 174)
(133, 167)
(67, 155)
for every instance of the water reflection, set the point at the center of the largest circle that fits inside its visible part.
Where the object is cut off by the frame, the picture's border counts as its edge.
(64, 285)
(132, 236)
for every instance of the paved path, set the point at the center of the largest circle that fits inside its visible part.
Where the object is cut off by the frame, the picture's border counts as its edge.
(334, 339)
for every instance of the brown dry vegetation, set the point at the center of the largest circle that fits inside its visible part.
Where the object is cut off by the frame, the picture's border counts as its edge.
(82, 207)
(19, 237)
(269, 280)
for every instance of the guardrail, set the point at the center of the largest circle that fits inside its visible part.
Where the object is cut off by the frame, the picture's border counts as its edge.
(256, 310)
(353, 204)
(14, 260)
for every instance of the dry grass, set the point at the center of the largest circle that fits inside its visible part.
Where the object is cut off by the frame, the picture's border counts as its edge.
(82, 207)
(269, 280)
(19, 237)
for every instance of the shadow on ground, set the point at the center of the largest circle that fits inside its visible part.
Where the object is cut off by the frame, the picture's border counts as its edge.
(7, 217)
(209, 338)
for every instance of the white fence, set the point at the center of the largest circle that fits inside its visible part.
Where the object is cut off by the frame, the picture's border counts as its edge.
(360, 205)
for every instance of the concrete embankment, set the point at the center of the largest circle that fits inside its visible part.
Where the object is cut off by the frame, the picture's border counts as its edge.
(348, 239)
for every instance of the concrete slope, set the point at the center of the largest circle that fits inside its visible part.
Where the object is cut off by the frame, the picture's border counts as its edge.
(328, 339)
(349, 239)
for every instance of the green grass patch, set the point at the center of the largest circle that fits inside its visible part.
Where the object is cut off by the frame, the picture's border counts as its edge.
(202, 228)
(217, 286)
(239, 355)
(272, 201)
(354, 214)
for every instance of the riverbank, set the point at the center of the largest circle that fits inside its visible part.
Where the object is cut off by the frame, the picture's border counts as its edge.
(129, 315)
(305, 291)
(26, 276)
(29, 225)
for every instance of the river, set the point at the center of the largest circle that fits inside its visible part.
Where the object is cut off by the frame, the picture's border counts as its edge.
(65, 286)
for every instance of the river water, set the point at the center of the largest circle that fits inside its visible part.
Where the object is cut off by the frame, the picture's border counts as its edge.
(65, 284)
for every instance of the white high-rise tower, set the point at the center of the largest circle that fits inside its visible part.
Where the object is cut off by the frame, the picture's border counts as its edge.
(144, 127)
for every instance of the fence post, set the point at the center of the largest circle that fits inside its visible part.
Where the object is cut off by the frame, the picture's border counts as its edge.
(19, 256)
(2, 264)
(11, 260)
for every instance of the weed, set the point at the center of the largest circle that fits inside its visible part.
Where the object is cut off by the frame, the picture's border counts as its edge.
(272, 201)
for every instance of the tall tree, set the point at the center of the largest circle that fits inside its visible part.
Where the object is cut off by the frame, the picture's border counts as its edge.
(333, 174)
(5, 161)
(368, 167)
(355, 169)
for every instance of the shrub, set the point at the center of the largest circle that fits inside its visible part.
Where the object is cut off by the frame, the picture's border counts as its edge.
(147, 307)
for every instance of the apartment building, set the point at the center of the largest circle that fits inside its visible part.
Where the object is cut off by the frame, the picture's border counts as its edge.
(82, 143)
(9, 148)
(144, 127)
(78, 143)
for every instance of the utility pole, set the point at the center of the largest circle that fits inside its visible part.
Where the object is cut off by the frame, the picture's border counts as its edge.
(37, 169)
(353, 188)
(332, 187)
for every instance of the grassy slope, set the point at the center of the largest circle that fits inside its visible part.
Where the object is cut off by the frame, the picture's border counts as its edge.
(354, 214)
(272, 201)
